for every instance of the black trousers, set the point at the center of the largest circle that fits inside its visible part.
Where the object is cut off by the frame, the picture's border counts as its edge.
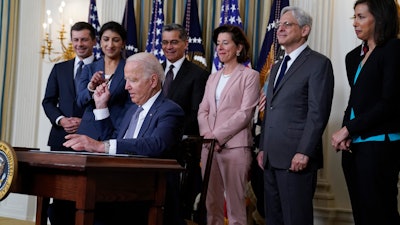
(372, 172)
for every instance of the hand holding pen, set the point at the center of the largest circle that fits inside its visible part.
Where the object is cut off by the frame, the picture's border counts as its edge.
(96, 80)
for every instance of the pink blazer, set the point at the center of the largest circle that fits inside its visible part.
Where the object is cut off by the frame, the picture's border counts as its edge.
(231, 123)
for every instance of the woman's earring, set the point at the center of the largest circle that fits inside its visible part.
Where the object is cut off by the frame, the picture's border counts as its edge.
(237, 53)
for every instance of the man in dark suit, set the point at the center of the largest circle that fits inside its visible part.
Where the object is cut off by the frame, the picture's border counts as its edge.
(296, 113)
(59, 101)
(188, 82)
(159, 125)
(189, 79)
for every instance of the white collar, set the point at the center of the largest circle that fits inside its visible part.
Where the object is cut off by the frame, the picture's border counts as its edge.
(147, 105)
(294, 54)
(177, 64)
(86, 61)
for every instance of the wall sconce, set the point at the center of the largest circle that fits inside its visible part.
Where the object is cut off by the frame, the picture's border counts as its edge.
(67, 51)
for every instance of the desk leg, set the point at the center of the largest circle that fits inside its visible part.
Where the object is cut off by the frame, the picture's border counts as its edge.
(86, 201)
(42, 204)
(157, 209)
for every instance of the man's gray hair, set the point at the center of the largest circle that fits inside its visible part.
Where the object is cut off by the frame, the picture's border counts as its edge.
(302, 17)
(149, 64)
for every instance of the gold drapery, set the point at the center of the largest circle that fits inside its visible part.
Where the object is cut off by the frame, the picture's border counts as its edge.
(8, 46)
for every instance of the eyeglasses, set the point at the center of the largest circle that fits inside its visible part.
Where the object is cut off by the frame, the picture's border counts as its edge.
(172, 42)
(286, 24)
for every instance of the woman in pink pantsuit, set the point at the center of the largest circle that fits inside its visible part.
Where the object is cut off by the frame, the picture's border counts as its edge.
(225, 114)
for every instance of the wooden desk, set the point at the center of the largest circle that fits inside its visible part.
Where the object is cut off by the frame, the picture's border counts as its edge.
(87, 179)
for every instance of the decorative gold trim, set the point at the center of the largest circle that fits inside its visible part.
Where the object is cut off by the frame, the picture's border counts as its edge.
(8, 168)
(67, 51)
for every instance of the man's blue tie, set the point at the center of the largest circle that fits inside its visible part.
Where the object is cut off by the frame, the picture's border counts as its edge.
(78, 75)
(283, 70)
(132, 125)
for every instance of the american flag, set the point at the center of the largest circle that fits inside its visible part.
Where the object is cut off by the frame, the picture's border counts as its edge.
(229, 15)
(153, 44)
(270, 50)
(129, 23)
(192, 25)
(94, 20)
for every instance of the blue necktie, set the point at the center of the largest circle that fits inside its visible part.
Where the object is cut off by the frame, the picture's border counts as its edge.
(132, 125)
(78, 75)
(282, 72)
(168, 80)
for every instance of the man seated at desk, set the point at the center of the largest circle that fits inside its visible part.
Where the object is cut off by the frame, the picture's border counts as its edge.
(151, 127)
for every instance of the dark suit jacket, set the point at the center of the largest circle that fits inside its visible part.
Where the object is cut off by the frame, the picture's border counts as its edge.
(187, 91)
(59, 100)
(298, 111)
(376, 91)
(161, 130)
(119, 98)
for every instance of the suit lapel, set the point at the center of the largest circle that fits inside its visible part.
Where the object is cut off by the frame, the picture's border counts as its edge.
(292, 69)
(150, 115)
(70, 78)
(213, 80)
(179, 78)
(270, 87)
(117, 78)
(236, 74)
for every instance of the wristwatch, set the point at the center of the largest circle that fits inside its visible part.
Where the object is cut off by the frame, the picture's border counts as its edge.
(106, 146)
